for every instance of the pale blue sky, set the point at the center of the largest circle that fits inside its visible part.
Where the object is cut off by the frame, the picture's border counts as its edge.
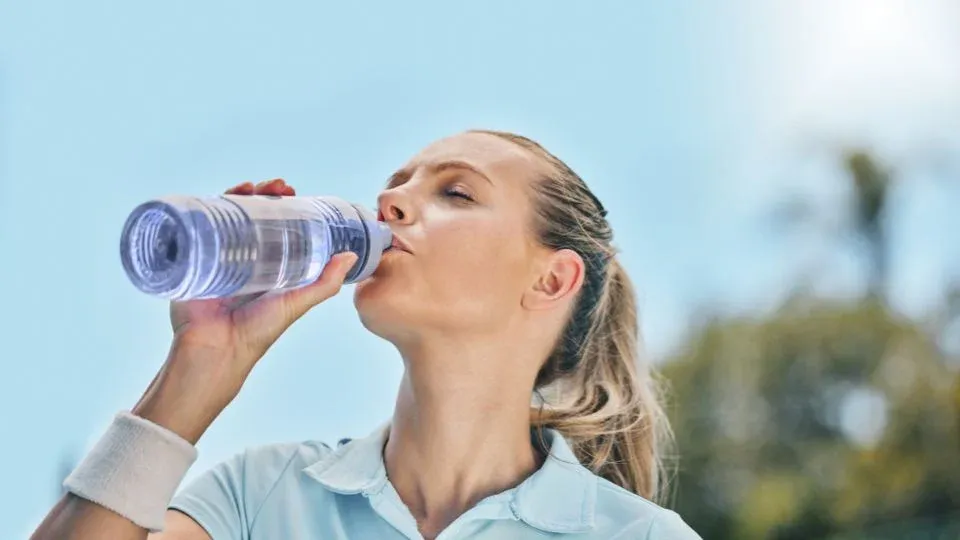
(690, 121)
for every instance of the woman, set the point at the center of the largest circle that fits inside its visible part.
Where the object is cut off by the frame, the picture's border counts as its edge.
(502, 286)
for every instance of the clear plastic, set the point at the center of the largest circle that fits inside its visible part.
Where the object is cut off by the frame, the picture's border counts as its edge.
(184, 248)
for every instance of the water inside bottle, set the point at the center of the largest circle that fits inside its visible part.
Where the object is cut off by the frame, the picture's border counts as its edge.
(181, 247)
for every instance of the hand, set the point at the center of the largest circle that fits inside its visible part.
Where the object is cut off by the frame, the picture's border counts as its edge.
(217, 342)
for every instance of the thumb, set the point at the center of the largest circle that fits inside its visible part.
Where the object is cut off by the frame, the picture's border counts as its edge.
(294, 304)
(267, 321)
(327, 285)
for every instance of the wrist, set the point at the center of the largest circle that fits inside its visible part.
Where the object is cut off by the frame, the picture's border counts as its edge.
(174, 401)
(187, 418)
(133, 470)
(188, 427)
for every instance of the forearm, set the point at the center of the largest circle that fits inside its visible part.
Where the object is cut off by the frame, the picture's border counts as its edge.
(74, 518)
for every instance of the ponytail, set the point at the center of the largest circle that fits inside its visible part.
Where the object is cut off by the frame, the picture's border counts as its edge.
(607, 408)
(602, 396)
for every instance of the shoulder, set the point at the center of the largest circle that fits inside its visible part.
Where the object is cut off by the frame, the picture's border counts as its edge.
(248, 476)
(268, 463)
(226, 499)
(270, 456)
(257, 469)
(639, 518)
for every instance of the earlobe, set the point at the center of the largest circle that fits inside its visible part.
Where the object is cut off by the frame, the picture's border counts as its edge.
(560, 279)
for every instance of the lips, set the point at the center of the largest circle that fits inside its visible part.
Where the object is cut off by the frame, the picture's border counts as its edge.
(399, 244)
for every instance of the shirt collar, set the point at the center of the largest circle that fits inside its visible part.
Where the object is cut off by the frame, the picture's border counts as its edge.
(560, 497)
(355, 466)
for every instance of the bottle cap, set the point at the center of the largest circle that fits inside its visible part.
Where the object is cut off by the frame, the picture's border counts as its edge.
(380, 239)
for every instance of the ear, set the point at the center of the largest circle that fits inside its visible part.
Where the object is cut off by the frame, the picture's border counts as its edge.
(559, 280)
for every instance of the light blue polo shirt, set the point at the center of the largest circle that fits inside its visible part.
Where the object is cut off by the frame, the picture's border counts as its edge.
(310, 491)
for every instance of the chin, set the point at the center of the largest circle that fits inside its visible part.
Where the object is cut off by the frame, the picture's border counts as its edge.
(384, 307)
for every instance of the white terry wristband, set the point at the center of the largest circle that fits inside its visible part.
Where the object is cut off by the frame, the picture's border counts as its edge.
(134, 470)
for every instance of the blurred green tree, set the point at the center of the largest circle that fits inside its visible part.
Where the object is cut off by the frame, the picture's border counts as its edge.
(823, 419)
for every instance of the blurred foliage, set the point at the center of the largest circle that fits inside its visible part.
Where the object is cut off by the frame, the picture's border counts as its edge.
(825, 419)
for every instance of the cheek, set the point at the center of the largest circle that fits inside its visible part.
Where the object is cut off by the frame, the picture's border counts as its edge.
(469, 273)
(482, 266)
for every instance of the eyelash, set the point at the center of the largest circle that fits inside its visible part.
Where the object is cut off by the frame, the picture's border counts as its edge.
(453, 192)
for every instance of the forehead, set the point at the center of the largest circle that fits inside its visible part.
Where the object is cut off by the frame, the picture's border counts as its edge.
(495, 156)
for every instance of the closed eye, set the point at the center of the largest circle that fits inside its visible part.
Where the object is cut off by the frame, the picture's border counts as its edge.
(454, 192)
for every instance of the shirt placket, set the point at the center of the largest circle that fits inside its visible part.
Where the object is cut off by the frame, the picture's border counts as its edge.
(386, 502)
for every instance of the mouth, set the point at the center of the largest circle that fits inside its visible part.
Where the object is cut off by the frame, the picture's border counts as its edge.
(399, 244)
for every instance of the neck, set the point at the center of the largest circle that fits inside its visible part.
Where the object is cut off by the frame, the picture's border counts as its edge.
(458, 434)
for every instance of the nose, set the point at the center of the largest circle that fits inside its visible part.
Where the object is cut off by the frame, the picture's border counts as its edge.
(394, 206)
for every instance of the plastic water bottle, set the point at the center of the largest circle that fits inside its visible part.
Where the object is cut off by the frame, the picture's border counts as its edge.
(184, 248)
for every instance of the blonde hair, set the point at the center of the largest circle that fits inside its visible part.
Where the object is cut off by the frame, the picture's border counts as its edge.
(606, 403)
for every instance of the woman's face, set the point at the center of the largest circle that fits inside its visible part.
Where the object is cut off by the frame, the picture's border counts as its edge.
(462, 208)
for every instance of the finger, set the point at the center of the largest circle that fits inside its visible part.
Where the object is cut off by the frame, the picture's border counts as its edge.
(270, 187)
(273, 190)
(262, 183)
(245, 188)
(327, 285)
(267, 318)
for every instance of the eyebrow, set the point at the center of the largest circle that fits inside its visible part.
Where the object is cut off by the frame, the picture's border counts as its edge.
(404, 174)
(454, 164)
